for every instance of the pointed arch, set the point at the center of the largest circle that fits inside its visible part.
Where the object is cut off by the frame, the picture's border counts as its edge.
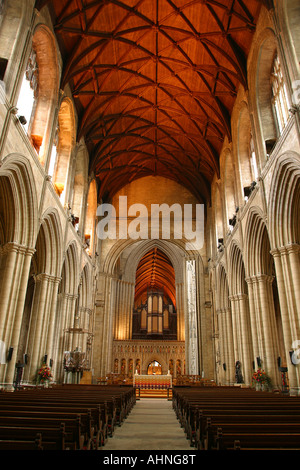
(257, 244)
(46, 78)
(19, 218)
(284, 201)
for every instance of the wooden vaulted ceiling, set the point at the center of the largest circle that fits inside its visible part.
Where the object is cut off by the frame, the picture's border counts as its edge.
(155, 271)
(154, 82)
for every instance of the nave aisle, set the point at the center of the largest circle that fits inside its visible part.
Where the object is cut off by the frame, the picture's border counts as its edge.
(151, 425)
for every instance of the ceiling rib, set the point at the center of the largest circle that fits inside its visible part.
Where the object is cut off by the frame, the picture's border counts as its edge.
(154, 83)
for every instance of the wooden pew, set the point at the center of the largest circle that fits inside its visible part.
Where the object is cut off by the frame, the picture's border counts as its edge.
(73, 427)
(255, 441)
(50, 438)
(233, 410)
(32, 444)
(97, 409)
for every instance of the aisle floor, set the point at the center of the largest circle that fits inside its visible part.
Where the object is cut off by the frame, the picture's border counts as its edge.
(151, 425)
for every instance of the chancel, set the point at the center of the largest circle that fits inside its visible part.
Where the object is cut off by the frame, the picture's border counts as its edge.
(109, 109)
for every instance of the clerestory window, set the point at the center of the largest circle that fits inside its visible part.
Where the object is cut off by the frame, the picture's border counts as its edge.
(279, 95)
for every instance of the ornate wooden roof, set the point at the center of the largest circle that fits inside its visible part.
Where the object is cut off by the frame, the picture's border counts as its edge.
(154, 82)
(155, 271)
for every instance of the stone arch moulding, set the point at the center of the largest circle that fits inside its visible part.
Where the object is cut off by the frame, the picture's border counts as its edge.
(222, 286)
(86, 288)
(137, 249)
(70, 275)
(283, 206)
(18, 171)
(255, 230)
(52, 226)
(237, 278)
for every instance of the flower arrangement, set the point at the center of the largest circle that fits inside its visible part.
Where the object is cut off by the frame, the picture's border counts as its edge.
(44, 374)
(261, 377)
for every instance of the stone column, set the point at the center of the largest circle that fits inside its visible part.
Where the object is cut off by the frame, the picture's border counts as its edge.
(14, 318)
(246, 350)
(290, 255)
(180, 312)
(192, 353)
(59, 338)
(131, 291)
(287, 274)
(9, 278)
(236, 334)
(268, 325)
(222, 344)
(38, 323)
(230, 365)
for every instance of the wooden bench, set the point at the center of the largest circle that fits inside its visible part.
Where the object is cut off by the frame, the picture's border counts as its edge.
(255, 441)
(31, 444)
(204, 413)
(95, 409)
(51, 438)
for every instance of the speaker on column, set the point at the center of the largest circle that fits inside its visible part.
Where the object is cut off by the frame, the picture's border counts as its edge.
(279, 361)
(9, 354)
(258, 361)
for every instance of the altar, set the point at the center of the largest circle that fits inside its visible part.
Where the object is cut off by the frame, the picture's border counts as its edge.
(152, 382)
